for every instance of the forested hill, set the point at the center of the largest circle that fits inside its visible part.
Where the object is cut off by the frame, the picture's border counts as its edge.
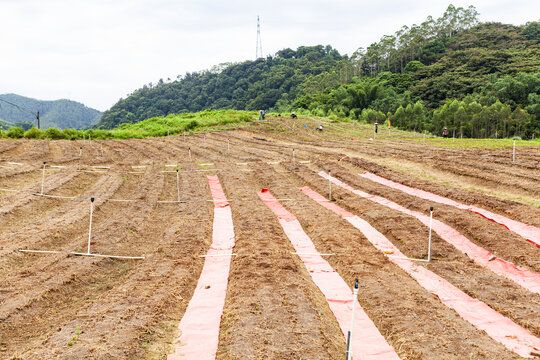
(59, 114)
(250, 85)
(479, 79)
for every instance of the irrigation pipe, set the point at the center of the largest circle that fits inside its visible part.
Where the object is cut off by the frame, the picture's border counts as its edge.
(10, 190)
(90, 228)
(55, 196)
(107, 256)
(350, 336)
(43, 176)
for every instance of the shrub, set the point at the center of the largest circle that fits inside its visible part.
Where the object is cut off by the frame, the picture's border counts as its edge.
(191, 125)
(53, 134)
(70, 134)
(15, 132)
(33, 133)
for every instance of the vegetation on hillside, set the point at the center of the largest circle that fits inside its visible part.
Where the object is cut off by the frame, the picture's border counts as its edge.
(250, 85)
(59, 114)
(153, 127)
(478, 80)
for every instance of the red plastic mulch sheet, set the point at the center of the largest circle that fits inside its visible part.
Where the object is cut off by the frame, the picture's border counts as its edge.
(201, 321)
(498, 327)
(367, 342)
(529, 232)
(528, 279)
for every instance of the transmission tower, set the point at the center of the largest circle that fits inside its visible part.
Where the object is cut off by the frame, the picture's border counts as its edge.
(258, 51)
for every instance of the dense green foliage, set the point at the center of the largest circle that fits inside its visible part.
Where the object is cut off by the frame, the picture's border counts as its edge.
(478, 79)
(58, 114)
(483, 81)
(157, 126)
(251, 85)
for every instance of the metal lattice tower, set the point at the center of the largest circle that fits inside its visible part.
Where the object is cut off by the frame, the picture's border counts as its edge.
(258, 51)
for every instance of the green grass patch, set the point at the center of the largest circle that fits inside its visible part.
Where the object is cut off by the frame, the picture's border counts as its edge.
(174, 124)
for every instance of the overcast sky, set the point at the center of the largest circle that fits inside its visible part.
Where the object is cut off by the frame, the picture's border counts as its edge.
(97, 51)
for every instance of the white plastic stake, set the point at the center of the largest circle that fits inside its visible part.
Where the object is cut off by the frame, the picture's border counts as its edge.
(293, 163)
(429, 243)
(178, 184)
(329, 186)
(454, 136)
(189, 150)
(90, 228)
(80, 151)
(228, 146)
(83, 136)
(43, 177)
(351, 332)
(514, 152)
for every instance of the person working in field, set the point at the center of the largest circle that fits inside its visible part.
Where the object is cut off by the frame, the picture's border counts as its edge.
(293, 115)
(319, 128)
(445, 133)
(376, 128)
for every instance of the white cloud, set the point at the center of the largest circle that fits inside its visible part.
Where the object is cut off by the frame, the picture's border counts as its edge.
(98, 51)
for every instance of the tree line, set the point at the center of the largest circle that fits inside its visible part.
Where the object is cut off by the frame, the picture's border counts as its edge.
(480, 79)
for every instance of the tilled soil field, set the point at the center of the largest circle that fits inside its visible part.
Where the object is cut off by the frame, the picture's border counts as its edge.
(56, 304)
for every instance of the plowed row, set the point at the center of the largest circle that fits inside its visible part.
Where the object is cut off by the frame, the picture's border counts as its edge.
(64, 306)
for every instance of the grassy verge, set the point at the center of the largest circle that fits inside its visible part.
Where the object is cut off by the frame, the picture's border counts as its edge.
(157, 126)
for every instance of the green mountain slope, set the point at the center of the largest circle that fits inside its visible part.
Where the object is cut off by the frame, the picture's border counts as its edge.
(60, 114)
(251, 85)
(475, 79)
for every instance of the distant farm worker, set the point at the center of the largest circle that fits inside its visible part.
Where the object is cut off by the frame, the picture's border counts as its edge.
(445, 133)
(293, 115)
(319, 128)
(376, 128)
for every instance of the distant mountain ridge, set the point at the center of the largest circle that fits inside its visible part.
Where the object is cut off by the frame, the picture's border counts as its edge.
(60, 114)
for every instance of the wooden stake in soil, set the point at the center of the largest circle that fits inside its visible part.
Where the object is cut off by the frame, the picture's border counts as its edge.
(90, 227)
(43, 177)
(189, 150)
(429, 243)
(514, 152)
(228, 146)
(350, 335)
(293, 163)
(178, 184)
(329, 186)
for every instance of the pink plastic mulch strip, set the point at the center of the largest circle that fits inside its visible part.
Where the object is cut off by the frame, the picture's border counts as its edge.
(529, 280)
(367, 342)
(498, 327)
(529, 232)
(201, 321)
